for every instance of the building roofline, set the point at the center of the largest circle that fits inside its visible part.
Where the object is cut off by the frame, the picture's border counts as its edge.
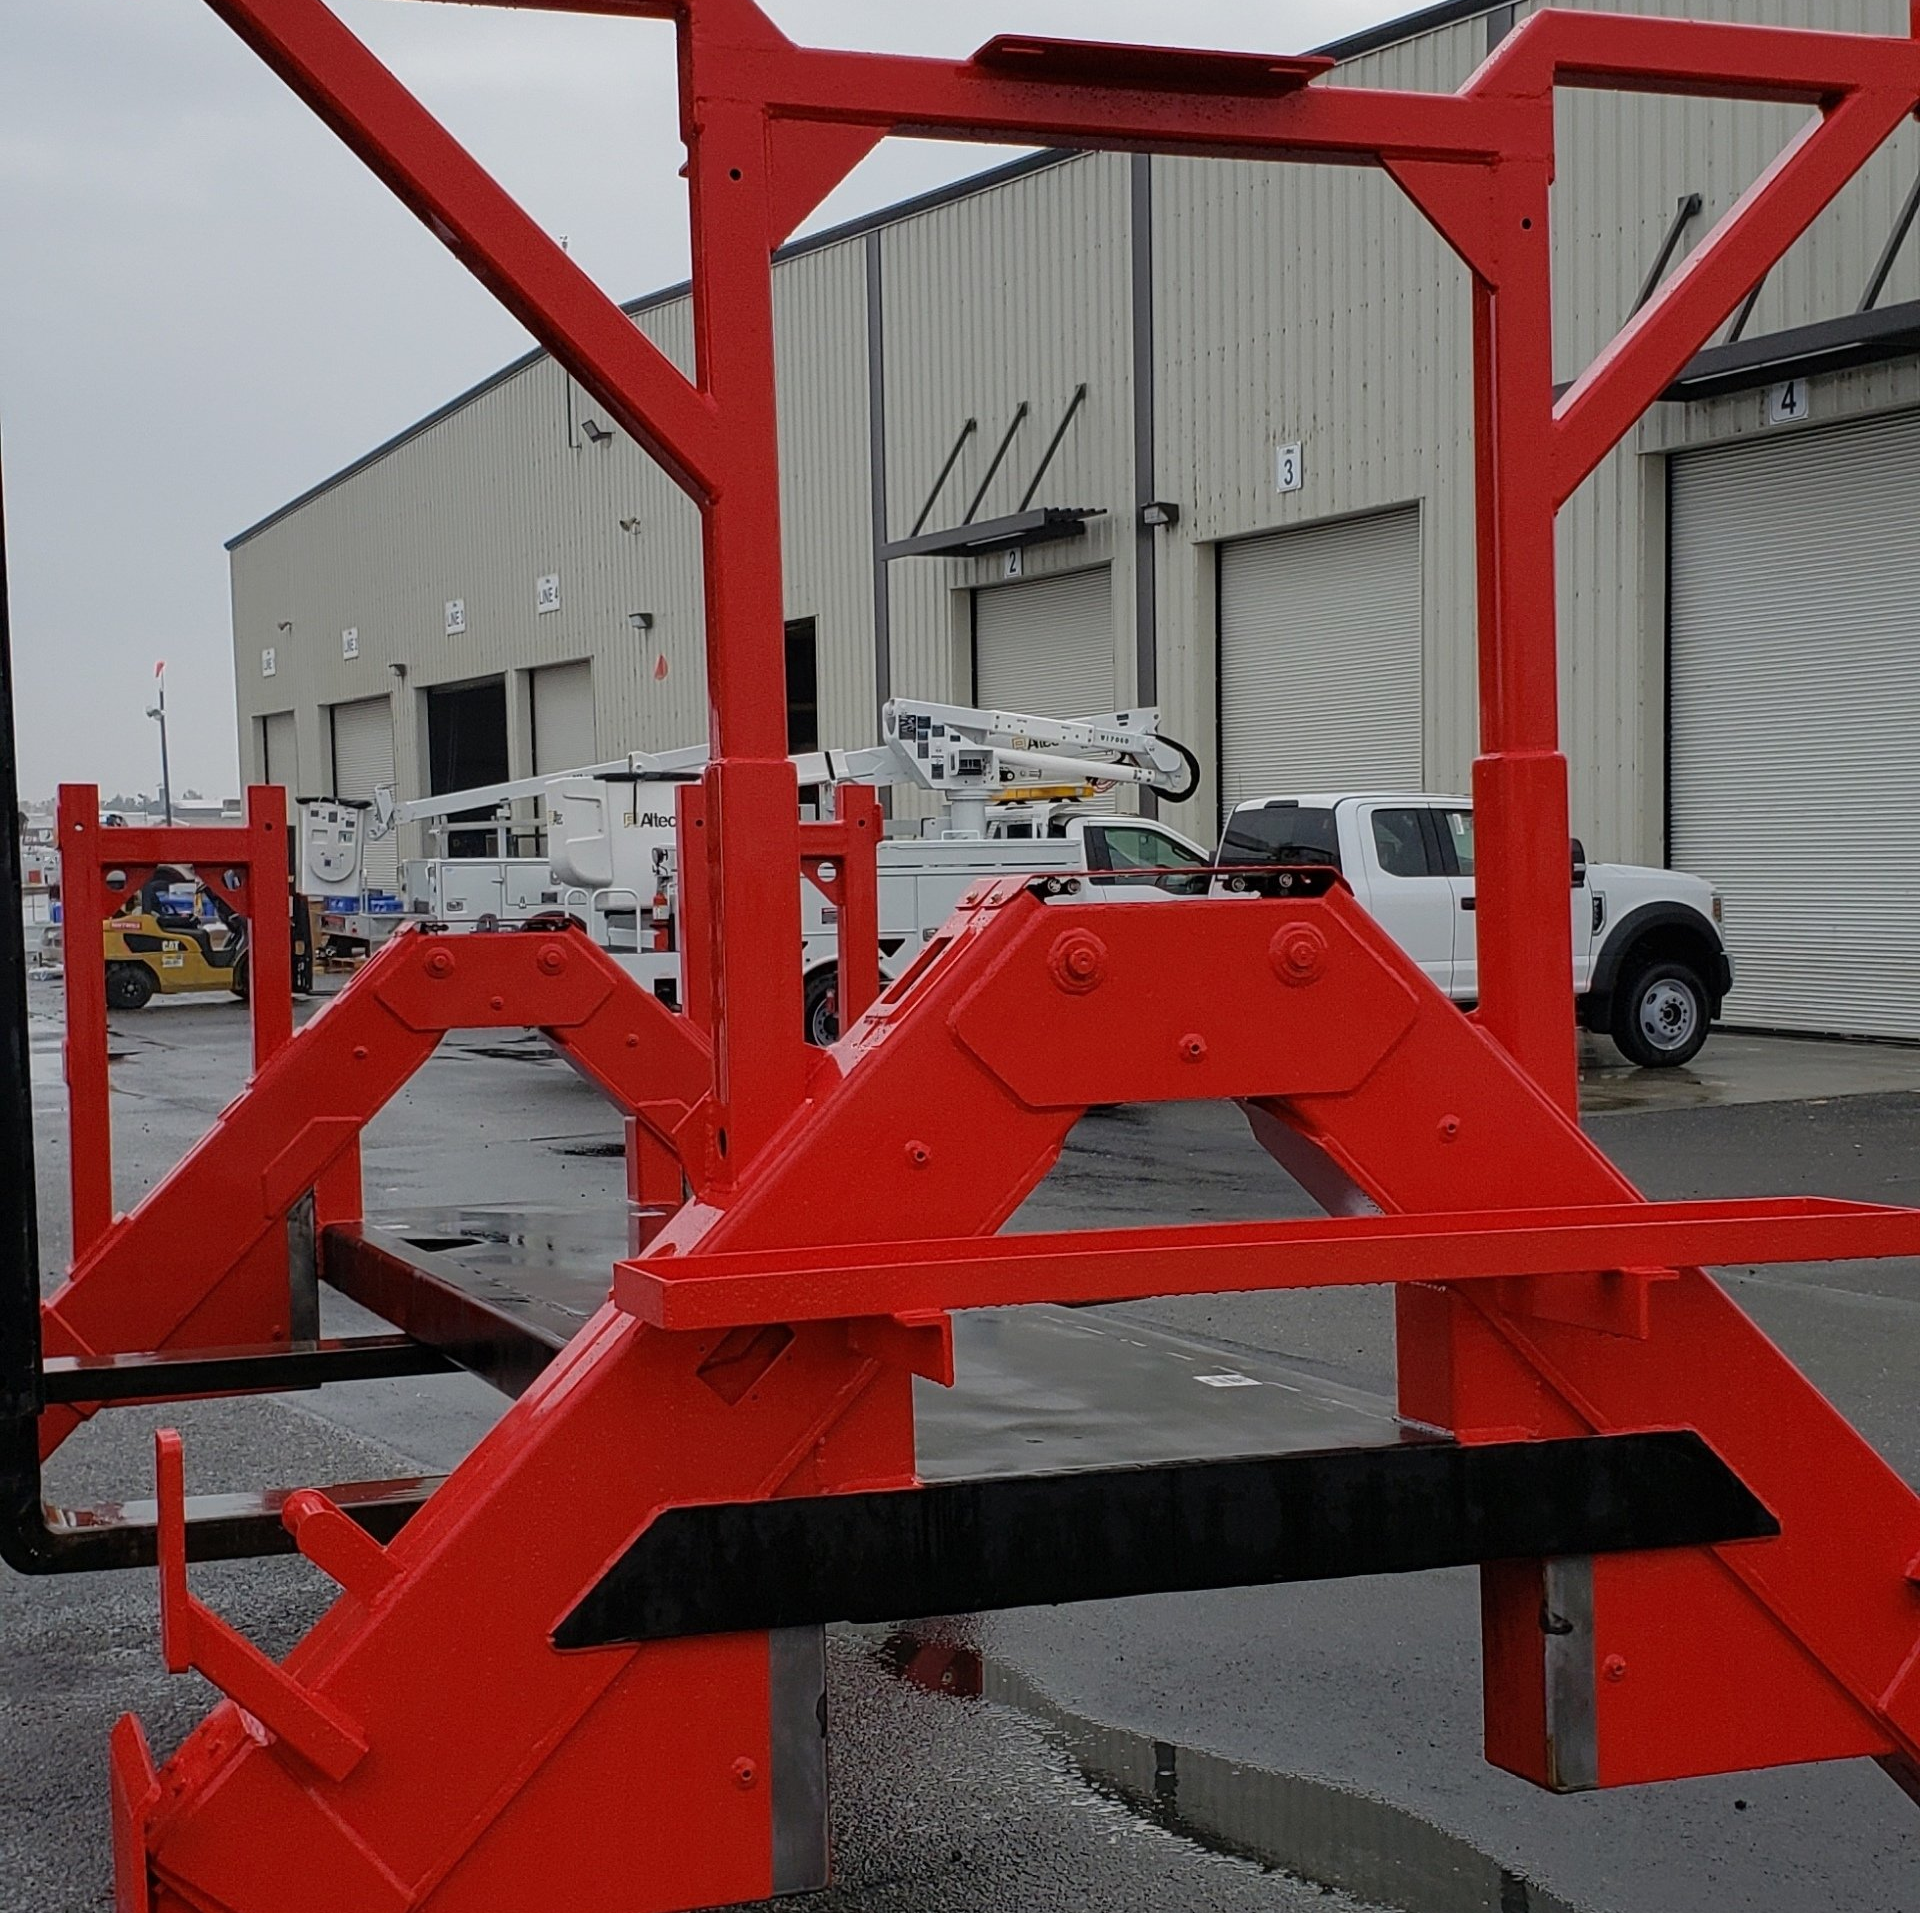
(1408, 26)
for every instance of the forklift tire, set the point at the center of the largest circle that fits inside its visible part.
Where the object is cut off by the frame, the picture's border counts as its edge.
(237, 983)
(820, 1019)
(130, 986)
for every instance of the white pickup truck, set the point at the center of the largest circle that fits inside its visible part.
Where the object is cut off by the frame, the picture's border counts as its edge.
(1650, 968)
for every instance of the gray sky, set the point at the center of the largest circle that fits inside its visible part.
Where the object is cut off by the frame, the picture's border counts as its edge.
(207, 304)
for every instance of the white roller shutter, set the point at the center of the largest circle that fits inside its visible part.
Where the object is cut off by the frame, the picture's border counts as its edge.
(279, 755)
(563, 720)
(362, 762)
(1046, 646)
(1794, 643)
(1320, 659)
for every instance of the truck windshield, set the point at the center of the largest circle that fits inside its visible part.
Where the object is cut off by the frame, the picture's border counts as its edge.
(1281, 834)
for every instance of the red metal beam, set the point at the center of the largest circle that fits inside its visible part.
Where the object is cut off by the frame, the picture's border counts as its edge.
(1117, 1265)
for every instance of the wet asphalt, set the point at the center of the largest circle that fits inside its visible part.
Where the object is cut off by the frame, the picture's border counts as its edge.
(1305, 1746)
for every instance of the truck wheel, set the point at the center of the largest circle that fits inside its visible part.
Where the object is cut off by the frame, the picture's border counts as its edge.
(1661, 1014)
(129, 986)
(821, 1017)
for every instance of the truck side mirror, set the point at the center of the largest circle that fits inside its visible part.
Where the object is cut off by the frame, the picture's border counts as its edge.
(1579, 864)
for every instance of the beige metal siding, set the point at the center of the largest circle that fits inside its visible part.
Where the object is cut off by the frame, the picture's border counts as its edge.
(363, 763)
(1018, 295)
(1320, 659)
(1796, 719)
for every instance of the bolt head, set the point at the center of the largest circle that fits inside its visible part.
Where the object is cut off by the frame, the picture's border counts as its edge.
(1615, 1667)
(918, 1154)
(1078, 961)
(745, 1773)
(1298, 955)
(552, 959)
(1449, 1128)
(440, 963)
(1193, 1049)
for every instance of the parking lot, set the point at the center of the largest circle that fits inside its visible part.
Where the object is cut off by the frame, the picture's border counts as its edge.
(1265, 1748)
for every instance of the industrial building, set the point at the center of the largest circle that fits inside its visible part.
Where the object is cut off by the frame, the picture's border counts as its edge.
(1094, 430)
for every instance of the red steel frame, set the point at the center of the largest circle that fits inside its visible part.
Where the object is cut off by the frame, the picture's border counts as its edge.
(762, 1342)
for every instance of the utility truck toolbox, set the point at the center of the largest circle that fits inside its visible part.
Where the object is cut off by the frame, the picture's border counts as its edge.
(1650, 968)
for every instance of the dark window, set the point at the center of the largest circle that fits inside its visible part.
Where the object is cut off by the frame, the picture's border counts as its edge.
(466, 748)
(1456, 834)
(1281, 834)
(803, 687)
(1400, 844)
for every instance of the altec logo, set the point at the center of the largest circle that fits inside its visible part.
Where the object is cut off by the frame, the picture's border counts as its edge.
(653, 820)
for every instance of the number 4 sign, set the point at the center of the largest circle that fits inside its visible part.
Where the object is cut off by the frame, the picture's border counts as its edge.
(1789, 404)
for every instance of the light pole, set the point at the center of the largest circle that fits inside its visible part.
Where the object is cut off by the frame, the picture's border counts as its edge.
(158, 711)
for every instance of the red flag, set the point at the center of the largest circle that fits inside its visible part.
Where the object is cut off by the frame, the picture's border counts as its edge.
(660, 665)
(160, 669)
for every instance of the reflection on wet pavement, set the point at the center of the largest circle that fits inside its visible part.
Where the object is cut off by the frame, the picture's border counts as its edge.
(1316, 1833)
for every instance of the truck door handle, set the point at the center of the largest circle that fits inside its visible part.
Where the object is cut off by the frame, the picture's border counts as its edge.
(1468, 903)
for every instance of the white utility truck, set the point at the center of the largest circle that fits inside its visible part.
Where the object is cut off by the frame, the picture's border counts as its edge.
(1015, 793)
(1650, 967)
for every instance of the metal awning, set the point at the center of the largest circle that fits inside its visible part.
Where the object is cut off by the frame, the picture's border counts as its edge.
(1044, 525)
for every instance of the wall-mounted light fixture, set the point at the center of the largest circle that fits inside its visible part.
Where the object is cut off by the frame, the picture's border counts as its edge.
(597, 433)
(398, 670)
(1160, 515)
(640, 620)
(631, 526)
(285, 624)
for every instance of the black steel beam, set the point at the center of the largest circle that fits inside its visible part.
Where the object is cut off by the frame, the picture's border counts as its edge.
(236, 1527)
(237, 1371)
(505, 1346)
(1035, 1541)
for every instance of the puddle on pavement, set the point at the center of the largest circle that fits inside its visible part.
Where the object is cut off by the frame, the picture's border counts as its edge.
(1309, 1829)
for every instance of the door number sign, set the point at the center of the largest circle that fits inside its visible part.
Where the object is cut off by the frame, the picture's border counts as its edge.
(1789, 404)
(1289, 468)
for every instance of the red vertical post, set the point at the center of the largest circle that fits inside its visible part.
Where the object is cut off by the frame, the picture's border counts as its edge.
(753, 810)
(856, 809)
(693, 905)
(83, 910)
(1523, 840)
(269, 925)
(656, 1186)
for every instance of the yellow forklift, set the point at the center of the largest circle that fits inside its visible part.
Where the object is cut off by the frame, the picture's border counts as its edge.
(177, 937)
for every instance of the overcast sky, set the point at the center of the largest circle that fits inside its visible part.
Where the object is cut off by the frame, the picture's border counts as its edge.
(207, 304)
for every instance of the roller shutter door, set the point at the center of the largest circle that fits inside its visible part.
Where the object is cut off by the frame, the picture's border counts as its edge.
(1794, 661)
(563, 720)
(279, 755)
(362, 762)
(1046, 646)
(1320, 659)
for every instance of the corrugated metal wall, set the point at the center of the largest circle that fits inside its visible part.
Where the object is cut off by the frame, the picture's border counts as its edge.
(1290, 303)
